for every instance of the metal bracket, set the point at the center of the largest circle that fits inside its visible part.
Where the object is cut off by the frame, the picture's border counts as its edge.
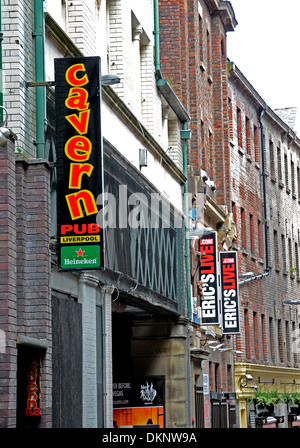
(53, 247)
(40, 84)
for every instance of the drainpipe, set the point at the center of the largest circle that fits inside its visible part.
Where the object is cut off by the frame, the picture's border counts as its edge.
(264, 174)
(40, 77)
(156, 40)
(185, 135)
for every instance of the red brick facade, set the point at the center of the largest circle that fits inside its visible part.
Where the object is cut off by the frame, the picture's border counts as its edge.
(268, 324)
(252, 156)
(25, 313)
(193, 58)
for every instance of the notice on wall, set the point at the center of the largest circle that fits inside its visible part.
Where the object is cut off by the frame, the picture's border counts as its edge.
(209, 278)
(33, 389)
(229, 292)
(79, 162)
(139, 402)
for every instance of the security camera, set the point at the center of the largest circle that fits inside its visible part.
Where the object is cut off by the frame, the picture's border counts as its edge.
(249, 377)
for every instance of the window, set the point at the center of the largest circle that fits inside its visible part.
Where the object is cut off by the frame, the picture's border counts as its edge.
(239, 127)
(295, 342)
(276, 250)
(288, 342)
(216, 376)
(271, 338)
(252, 239)
(256, 340)
(248, 137)
(283, 249)
(208, 52)
(233, 210)
(291, 267)
(293, 178)
(137, 31)
(203, 152)
(279, 168)
(286, 172)
(200, 31)
(211, 158)
(230, 118)
(297, 260)
(256, 145)
(271, 153)
(247, 334)
(279, 340)
(243, 228)
(260, 239)
(298, 182)
(264, 341)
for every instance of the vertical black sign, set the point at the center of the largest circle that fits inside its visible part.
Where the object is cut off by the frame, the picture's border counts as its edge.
(209, 279)
(229, 292)
(79, 162)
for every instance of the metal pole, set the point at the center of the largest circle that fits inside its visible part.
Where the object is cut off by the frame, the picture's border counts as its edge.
(156, 40)
(187, 242)
(40, 77)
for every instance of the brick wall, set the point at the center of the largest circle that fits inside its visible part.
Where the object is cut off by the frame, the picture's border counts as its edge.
(82, 25)
(267, 325)
(25, 298)
(18, 50)
(8, 287)
(193, 56)
(34, 265)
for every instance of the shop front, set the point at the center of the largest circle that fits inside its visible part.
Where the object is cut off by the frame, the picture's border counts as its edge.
(268, 396)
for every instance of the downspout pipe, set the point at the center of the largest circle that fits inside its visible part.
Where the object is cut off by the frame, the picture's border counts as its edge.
(158, 73)
(185, 135)
(39, 37)
(264, 175)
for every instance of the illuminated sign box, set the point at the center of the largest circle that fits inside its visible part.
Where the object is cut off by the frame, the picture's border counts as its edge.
(209, 278)
(229, 292)
(79, 162)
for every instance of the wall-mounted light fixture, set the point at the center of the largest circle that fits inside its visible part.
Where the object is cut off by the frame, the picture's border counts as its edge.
(108, 80)
(291, 302)
(246, 274)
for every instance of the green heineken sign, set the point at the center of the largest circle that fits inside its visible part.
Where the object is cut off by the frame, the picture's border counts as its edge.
(79, 163)
(85, 257)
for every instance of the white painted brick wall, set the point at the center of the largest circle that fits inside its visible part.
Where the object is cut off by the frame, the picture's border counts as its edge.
(18, 67)
(81, 22)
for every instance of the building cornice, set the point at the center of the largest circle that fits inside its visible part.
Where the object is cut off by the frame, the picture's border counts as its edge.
(225, 11)
(236, 76)
(264, 377)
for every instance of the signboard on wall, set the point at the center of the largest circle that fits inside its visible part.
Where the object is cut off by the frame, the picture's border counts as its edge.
(229, 292)
(33, 389)
(209, 277)
(79, 162)
(139, 402)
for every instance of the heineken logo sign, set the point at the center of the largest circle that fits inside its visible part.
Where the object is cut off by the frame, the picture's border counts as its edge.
(79, 162)
(80, 257)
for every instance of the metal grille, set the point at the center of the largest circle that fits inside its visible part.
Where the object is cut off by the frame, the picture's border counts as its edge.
(151, 254)
(199, 407)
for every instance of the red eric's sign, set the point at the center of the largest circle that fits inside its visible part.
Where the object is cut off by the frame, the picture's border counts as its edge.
(209, 279)
(229, 292)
